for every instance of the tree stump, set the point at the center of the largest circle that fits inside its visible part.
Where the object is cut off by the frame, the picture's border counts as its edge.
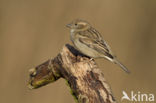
(85, 79)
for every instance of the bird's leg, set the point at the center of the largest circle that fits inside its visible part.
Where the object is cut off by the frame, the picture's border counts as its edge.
(91, 59)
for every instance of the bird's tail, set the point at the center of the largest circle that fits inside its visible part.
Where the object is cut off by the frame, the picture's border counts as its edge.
(121, 65)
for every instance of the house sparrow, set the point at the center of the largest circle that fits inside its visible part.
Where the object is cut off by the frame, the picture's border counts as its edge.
(89, 42)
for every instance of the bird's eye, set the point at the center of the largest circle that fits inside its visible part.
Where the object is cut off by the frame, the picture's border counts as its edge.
(75, 24)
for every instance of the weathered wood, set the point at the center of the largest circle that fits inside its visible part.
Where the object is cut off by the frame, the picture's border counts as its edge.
(85, 79)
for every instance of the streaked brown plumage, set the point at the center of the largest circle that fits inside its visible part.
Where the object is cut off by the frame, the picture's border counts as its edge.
(89, 41)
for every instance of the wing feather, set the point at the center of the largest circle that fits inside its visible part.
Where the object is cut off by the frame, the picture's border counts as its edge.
(94, 40)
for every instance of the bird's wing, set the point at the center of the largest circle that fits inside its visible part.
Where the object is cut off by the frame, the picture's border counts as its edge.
(93, 39)
(95, 44)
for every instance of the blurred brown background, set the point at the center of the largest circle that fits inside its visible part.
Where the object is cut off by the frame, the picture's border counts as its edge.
(32, 31)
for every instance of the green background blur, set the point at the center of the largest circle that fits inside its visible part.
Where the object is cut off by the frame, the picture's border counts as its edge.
(32, 31)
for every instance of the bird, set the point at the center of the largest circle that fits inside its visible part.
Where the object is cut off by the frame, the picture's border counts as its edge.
(90, 42)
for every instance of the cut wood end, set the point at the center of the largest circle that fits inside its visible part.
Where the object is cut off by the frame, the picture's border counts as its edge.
(84, 78)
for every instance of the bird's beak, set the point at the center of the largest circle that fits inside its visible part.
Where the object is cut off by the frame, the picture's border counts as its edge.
(69, 25)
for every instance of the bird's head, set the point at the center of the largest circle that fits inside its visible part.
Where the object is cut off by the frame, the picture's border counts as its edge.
(78, 25)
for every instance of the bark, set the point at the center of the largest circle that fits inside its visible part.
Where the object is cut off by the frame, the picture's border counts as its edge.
(85, 79)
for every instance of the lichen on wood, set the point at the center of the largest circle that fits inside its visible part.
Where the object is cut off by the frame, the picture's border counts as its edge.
(85, 79)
